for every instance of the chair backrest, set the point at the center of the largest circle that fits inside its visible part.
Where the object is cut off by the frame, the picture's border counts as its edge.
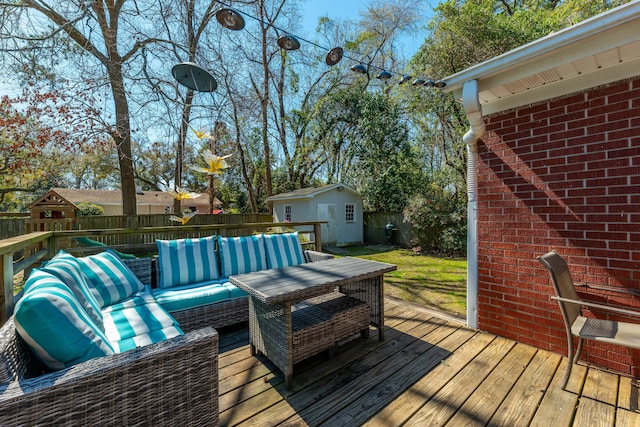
(562, 284)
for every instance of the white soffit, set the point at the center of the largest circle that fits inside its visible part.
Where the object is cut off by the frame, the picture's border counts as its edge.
(604, 67)
(601, 50)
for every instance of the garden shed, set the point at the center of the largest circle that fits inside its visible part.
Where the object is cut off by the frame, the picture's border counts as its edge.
(554, 163)
(338, 204)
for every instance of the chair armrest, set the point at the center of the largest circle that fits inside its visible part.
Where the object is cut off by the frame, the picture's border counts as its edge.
(598, 306)
(173, 382)
(312, 256)
(614, 289)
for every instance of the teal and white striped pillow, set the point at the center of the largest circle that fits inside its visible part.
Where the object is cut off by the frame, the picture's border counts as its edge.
(67, 268)
(185, 261)
(110, 280)
(241, 254)
(283, 250)
(55, 325)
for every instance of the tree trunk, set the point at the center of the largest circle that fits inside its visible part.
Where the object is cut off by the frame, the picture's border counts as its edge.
(182, 137)
(122, 139)
(264, 109)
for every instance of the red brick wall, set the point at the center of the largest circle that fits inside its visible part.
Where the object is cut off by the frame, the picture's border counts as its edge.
(563, 174)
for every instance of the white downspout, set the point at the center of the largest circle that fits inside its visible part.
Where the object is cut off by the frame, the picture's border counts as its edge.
(473, 109)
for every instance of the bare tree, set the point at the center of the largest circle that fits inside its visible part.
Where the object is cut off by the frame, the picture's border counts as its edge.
(99, 29)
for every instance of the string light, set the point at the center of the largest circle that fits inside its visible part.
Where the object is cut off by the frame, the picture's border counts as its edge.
(232, 19)
(288, 42)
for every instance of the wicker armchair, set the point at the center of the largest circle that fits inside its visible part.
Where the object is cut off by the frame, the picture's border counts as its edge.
(174, 382)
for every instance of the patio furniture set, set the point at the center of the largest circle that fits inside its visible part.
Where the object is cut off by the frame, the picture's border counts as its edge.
(100, 340)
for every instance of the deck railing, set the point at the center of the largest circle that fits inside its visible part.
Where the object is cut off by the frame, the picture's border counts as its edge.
(21, 253)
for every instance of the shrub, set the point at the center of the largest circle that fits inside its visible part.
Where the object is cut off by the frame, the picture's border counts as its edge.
(439, 222)
(89, 209)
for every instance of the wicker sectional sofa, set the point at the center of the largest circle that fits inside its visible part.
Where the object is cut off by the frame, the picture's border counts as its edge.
(172, 380)
(163, 367)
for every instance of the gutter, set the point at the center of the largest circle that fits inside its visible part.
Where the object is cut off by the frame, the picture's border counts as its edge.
(473, 109)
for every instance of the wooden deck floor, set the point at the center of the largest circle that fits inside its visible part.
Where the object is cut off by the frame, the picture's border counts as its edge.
(429, 371)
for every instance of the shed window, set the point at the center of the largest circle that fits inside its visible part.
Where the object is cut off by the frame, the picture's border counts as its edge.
(350, 212)
(287, 213)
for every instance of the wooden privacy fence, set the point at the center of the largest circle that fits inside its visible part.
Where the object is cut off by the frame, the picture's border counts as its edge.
(375, 224)
(162, 220)
(21, 253)
(17, 224)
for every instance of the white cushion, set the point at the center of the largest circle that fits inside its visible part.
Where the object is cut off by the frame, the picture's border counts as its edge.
(186, 261)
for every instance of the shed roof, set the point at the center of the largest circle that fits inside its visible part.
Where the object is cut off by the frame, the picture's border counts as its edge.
(52, 199)
(599, 50)
(310, 192)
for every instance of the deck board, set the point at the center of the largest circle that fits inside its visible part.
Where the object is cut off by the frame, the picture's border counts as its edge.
(629, 395)
(556, 408)
(601, 386)
(410, 399)
(594, 413)
(454, 394)
(430, 370)
(519, 407)
(483, 402)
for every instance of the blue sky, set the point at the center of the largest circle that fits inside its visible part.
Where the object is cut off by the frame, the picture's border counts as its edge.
(344, 9)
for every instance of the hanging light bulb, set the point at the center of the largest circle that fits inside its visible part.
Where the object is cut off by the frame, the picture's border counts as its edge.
(384, 75)
(429, 83)
(288, 42)
(418, 82)
(359, 68)
(230, 18)
(404, 79)
(440, 84)
(334, 56)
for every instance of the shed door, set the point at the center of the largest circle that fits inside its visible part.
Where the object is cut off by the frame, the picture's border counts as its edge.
(327, 212)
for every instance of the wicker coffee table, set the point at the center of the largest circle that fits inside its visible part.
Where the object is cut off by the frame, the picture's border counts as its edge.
(297, 312)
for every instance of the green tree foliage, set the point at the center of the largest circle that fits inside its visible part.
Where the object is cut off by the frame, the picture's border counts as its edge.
(386, 167)
(464, 33)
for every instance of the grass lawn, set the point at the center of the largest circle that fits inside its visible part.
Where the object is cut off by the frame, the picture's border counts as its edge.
(439, 283)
